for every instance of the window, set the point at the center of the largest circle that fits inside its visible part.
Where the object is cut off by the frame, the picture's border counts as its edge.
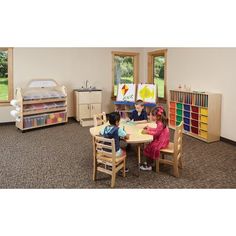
(157, 71)
(125, 69)
(6, 64)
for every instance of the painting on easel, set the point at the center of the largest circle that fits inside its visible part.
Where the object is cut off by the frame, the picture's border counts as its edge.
(126, 92)
(147, 93)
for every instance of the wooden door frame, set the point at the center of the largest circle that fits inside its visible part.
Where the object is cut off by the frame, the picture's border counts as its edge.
(162, 52)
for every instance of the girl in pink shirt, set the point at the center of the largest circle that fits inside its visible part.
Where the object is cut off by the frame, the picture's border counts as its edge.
(161, 137)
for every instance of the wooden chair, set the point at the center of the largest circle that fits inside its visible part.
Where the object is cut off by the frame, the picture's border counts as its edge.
(105, 156)
(99, 119)
(173, 149)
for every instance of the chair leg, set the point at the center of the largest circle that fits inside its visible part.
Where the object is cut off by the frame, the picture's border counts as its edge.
(94, 171)
(157, 165)
(113, 177)
(124, 165)
(176, 169)
(180, 162)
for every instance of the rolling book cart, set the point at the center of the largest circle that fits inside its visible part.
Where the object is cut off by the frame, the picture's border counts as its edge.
(42, 103)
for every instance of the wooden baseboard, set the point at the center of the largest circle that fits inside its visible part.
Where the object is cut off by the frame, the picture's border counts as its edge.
(229, 141)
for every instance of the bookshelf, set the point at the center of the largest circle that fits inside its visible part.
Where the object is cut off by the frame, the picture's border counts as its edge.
(200, 112)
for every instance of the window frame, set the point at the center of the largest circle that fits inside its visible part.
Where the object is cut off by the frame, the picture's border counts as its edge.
(10, 76)
(151, 55)
(136, 67)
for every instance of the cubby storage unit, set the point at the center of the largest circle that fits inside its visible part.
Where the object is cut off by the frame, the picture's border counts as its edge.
(42, 103)
(200, 112)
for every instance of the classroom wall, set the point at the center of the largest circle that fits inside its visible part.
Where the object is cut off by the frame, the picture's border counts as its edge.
(206, 69)
(68, 66)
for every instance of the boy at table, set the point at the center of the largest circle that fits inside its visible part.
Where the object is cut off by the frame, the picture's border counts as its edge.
(139, 115)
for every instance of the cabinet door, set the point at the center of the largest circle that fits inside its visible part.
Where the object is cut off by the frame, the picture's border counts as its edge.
(84, 111)
(95, 109)
(96, 97)
(83, 97)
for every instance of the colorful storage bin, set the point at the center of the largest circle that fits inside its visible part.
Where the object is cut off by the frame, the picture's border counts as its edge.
(179, 112)
(186, 127)
(204, 111)
(178, 122)
(194, 116)
(179, 106)
(194, 130)
(172, 116)
(172, 122)
(179, 118)
(187, 114)
(172, 104)
(203, 126)
(203, 134)
(204, 119)
(172, 110)
(195, 109)
(186, 107)
(187, 121)
(194, 123)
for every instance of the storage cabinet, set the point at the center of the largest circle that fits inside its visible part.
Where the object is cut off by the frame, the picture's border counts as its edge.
(200, 112)
(42, 103)
(87, 104)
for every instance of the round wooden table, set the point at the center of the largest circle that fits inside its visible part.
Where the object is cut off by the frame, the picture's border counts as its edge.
(134, 130)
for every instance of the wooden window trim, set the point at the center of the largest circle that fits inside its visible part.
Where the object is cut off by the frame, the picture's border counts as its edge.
(10, 76)
(136, 67)
(162, 52)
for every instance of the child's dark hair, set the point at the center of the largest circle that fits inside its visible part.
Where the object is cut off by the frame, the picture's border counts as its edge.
(159, 111)
(113, 117)
(139, 102)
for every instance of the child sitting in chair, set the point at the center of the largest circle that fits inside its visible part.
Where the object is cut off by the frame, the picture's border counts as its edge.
(139, 115)
(113, 131)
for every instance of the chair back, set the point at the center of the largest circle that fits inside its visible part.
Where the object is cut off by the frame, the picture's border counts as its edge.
(105, 147)
(99, 119)
(178, 140)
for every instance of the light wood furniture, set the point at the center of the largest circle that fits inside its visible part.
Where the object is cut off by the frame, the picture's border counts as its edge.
(41, 106)
(87, 104)
(99, 119)
(134, 130)
(200, 113)
(174, 150)
(105, 159)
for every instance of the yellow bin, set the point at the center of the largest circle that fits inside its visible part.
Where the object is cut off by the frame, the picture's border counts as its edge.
(204, 119)
(203, 126)
(204, 111)
(203, 134)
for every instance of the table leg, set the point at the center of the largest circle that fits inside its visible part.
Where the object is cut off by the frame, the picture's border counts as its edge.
(139, 155)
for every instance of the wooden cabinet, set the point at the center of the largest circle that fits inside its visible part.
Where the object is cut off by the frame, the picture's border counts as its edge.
(41, 106)
(87, 104)
(200, 113)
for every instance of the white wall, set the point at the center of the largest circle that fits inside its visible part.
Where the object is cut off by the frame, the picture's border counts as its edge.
(68, 66)
(207, 69)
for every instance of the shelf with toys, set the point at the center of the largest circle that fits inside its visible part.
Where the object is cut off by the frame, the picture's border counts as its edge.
(42, 103)
(199, 111)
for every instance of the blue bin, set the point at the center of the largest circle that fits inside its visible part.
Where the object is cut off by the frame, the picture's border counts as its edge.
(186, 127)
(187, 121)
(186, 107)
(187, 114)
